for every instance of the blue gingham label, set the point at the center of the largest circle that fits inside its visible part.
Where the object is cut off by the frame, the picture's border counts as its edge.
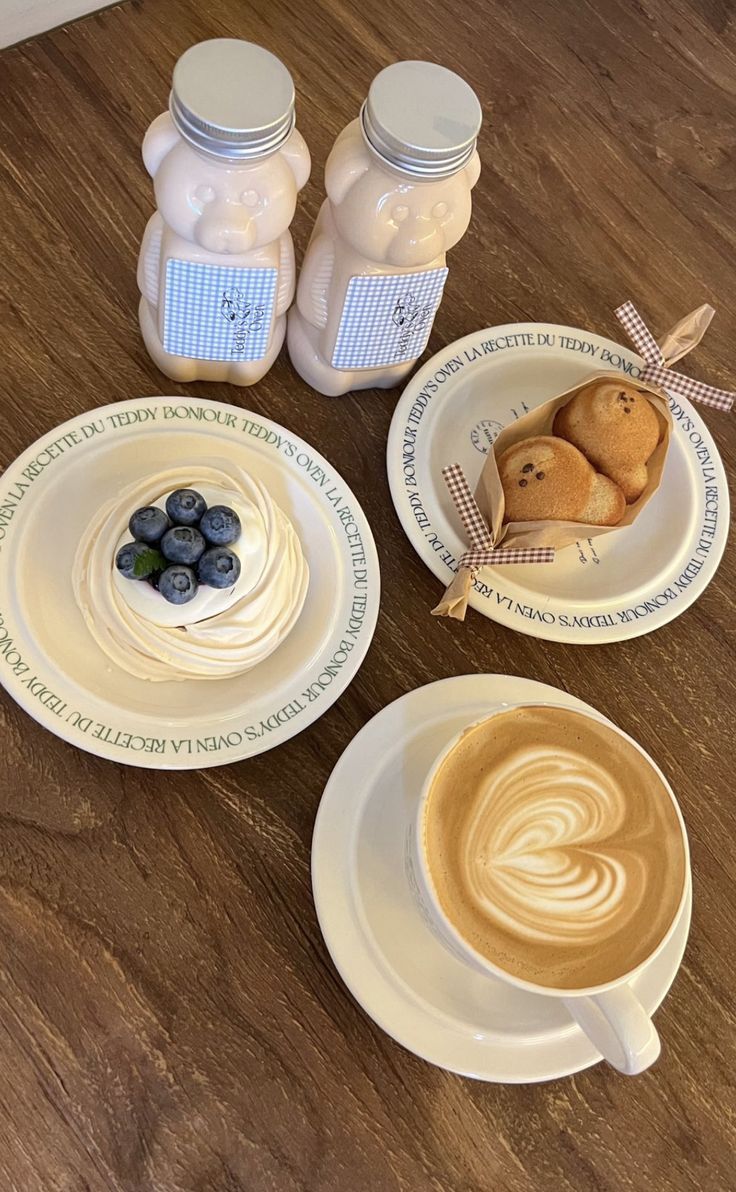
(218, 312)
(387, 319)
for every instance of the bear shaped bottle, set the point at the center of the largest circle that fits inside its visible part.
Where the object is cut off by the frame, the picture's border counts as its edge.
(216, 269)
(398, 184)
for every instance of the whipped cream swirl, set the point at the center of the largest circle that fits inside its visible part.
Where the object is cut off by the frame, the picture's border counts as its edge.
(218, 634)
(541, 856)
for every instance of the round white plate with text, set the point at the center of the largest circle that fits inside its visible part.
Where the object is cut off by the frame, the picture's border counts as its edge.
(606, 589)
(53, 668)
(392, 963)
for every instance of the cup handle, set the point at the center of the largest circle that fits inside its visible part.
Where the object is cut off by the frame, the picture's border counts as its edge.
(619, 1026)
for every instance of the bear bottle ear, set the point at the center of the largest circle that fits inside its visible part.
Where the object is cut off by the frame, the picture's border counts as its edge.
(347, 162)
(472, 170)
(297, 156)
(158, 141)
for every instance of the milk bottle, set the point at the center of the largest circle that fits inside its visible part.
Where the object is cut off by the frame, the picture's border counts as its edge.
(398, 184)
(216, 267)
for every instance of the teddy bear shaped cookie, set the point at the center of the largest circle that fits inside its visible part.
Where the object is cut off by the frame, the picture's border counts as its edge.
(616, 428)
(548, 479)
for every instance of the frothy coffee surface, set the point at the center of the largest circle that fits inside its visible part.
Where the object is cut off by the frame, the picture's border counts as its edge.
(554, 847)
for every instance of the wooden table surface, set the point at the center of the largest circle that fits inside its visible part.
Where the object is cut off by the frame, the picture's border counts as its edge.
(170, 1020)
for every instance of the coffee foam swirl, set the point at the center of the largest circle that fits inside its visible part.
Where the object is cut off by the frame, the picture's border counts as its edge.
(554, 847)
(535, 856)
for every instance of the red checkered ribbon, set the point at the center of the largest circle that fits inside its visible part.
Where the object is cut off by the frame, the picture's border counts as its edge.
(482, 552)
(655, 369)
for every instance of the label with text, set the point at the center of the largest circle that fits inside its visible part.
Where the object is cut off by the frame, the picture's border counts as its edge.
(218, 312)
(387, 319)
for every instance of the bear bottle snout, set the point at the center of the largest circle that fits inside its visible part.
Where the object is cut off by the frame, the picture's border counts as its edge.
(419, 239)
(225, 228)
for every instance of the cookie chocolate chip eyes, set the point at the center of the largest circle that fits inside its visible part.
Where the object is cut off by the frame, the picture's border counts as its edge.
(628, 399)
(530, 468)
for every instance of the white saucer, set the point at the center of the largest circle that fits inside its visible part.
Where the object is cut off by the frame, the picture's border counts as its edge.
(52, 666)
(606, 589)
(395, 968)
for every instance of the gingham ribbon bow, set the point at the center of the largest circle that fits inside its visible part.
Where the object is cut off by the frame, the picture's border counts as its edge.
(655, 369)
(482, 552)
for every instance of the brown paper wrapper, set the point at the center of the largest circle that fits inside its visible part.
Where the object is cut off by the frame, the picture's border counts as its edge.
(681, 339)
(454, 603)
(489, 493)
(559, 534)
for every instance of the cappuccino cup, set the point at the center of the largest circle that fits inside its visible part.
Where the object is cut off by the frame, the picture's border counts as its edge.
(548, 851)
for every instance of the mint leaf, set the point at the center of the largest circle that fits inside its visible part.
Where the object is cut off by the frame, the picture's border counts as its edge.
(147, 562)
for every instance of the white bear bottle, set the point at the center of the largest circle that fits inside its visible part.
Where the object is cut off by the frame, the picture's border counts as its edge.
(398, 184)
(216, 269)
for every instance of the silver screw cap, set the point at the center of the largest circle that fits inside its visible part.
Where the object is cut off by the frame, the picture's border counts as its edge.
(232, 99)
(421, 118)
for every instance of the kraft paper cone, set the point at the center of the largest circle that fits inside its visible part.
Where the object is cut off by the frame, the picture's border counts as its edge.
(656, 373)
(489, 493)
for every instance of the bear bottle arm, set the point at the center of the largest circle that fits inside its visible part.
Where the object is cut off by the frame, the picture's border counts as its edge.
(287, 274)
(149, 260)
(314, 281)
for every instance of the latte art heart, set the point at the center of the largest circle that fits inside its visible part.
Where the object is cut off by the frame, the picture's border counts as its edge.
(554, 847)
(535, 851)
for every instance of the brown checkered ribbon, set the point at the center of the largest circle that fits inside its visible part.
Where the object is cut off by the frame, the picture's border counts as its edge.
(655, 369)
(482, 552)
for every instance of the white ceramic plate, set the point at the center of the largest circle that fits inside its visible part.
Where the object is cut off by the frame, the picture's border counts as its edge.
(390, 961)
(605, 589)
(53, 668)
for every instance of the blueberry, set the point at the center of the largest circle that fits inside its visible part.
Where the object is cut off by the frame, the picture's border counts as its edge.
(220, 525)
(219, 567)
(178, 585)
(185, 507)
(182, 544)
(149, 524)
(131, 560)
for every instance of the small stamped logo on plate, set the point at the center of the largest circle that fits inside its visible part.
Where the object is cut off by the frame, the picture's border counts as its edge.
(484, 434)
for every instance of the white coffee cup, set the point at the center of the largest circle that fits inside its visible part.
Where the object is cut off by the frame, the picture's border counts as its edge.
(611, 1014)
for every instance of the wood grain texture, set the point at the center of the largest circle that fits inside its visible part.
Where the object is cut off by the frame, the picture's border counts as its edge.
(169, 1018)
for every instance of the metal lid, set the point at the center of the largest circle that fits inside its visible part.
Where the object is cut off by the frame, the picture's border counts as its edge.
(232, 98)
(422, 118)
